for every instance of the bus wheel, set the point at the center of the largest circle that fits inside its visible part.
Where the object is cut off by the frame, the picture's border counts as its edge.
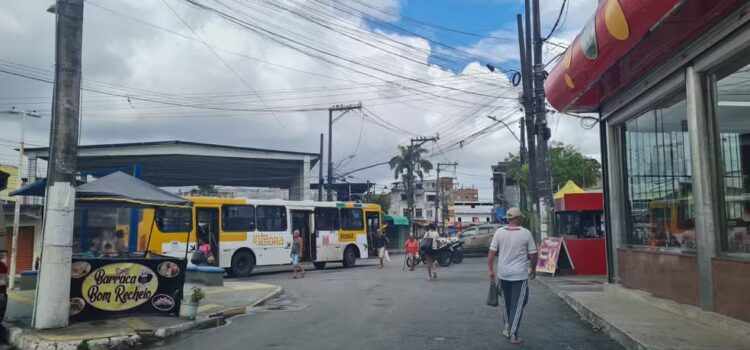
(242, 264)
(319, 265)
(350, 257)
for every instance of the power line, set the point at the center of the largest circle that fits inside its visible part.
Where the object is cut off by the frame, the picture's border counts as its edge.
(227, 66)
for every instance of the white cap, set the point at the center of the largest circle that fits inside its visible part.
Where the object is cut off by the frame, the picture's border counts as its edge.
(513, 213)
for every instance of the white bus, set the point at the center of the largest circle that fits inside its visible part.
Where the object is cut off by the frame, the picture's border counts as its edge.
(245, 233)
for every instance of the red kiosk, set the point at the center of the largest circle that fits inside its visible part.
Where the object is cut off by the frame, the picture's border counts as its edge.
(579, 218)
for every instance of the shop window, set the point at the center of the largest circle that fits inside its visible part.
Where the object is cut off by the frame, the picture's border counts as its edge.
(352, 219)
(732, 110)
(658, 177)
(271, 218)
(327, 219)
(238, 218)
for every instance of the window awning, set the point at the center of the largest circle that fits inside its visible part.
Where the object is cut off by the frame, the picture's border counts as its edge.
(398, 220)
(623, 41)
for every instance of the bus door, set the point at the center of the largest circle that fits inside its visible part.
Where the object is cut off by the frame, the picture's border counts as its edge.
(301, 222)
(207, 220)
(373, 224)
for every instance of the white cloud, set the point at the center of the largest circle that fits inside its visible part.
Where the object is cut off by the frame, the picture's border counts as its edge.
(119, 51)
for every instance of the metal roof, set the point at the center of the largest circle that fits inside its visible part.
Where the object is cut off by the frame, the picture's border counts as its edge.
(181, 163)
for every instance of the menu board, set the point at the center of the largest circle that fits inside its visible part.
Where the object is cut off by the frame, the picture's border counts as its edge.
(549, 252)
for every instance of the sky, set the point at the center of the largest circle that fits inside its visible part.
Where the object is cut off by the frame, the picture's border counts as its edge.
(261, 73)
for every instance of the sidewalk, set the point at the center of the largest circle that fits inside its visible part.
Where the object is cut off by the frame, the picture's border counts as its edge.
(231, 299)
(638, 320)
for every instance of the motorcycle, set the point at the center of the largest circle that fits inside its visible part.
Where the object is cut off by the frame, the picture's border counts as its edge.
(458, 250)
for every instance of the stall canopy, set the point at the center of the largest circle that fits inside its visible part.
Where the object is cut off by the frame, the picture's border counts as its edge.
(122, 189)
(622, 41)
(570, 187)
(398, 220)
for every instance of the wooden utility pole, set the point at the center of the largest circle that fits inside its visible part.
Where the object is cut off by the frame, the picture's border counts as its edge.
(52, 304)
(342, 108)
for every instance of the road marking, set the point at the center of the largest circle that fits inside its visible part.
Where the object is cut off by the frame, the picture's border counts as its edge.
(207, 307)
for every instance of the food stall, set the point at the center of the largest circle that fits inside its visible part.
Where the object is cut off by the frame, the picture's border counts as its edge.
(106, 281)
(579, 223)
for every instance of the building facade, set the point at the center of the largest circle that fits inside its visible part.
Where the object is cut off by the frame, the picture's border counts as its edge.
(671, 83)
(426, 194)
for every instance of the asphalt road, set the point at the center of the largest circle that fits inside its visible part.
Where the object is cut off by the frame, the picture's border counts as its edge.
(368, 308)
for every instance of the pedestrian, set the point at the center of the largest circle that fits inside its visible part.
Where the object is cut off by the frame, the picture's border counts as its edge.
(381, 240)
(412, 248)
(514, 248)
(298, 248)
(432, 252)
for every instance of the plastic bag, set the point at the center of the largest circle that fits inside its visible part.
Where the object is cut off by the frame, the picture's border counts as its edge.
(492, 299)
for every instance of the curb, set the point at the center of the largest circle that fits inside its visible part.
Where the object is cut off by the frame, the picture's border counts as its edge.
(598, 322)
(21, 341)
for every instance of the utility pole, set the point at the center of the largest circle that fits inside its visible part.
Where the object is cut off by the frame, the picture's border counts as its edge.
(320, 170)
(344, 109)
(542, 132)
(521, 190)
(51, 307)
(438, 195)
(19, 183)
(413, 145)
(524, 41)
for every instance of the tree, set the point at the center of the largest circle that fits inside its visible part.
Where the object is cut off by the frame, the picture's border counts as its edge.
(205, 191)
(566, 163)
(408, 163)
(382, 199)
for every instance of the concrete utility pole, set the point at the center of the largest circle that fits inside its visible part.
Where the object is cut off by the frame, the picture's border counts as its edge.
(521, 190)
(542, 132)
(342, 108)
(524, 41)
(19, 183)
(53, 290)
(320, 170)
(438, 197)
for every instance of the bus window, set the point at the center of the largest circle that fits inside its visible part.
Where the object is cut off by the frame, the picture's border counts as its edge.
(238, 218)
(326, 219)
(352, 219)
(174, 219)
(271, 218)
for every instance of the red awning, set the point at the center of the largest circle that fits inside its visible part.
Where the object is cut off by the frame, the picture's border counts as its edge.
(621, 42)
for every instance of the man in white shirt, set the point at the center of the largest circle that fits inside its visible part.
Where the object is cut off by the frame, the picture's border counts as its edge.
(514, 248)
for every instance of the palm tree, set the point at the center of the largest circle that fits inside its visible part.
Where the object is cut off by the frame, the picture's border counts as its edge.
(408, 163)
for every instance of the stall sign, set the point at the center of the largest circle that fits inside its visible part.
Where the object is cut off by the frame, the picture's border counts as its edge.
(106, 287)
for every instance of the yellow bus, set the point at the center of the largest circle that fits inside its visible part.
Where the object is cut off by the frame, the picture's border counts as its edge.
(245, 233)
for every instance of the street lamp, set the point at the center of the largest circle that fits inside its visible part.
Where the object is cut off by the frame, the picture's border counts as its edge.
(17, 209)
(506, 125)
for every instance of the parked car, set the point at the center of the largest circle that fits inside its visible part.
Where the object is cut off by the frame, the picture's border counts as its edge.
(477, 238)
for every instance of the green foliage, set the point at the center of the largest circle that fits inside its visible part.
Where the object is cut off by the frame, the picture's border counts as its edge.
(409, 161)
(197, 295)
(566, 163)
(83, 345)
(382, 199)
(205, 191)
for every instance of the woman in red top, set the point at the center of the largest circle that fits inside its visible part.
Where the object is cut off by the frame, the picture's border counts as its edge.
(412, 247)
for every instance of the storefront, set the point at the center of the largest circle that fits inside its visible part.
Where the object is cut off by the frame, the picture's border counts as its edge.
(671, 83)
